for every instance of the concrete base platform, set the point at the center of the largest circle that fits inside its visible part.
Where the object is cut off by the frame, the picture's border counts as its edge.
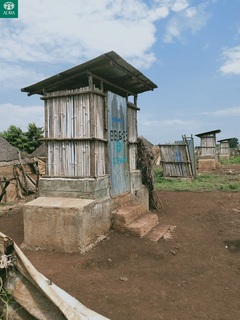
(65, 224)
(207, 164)
(224, 157)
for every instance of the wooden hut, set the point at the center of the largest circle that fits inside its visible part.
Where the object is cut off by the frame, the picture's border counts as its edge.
(13, 165)
(91, 140)
(38, 159)
(225, 150)
(208, 155)
(8, 156)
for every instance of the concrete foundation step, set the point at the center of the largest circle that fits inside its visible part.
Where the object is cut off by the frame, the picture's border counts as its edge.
(143, 224)
(127, 214)
(160, 232)
(133, 218)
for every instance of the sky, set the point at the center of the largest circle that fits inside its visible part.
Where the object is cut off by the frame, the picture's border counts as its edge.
(189, 48)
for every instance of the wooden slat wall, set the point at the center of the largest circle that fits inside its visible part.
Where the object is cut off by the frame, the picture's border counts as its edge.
(68, 115)
(100, 117)
(224, 148)
(132, 125)
(208, 146)
(100, 160)
(175, 161)
(132, 137)
(133, 156)
(69, 158)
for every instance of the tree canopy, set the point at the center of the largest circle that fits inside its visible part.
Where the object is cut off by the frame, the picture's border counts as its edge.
(24, 141)
(233, 143)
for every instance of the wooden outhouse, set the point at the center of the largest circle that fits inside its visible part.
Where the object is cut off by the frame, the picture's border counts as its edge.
(207, 155)
(225, 150)
(91, 139)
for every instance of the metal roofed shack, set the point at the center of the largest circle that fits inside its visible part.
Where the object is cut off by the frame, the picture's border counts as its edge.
(225, 150)
(91, 139)
(208, 156)
(108, 70)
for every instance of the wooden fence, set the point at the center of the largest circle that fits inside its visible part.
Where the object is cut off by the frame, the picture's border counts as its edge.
(176, 160)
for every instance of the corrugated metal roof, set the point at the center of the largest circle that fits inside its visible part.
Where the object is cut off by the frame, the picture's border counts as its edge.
(118, 75)
(207, 133)
(223, 140)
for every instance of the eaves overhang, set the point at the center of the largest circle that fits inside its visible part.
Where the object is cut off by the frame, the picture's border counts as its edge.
(208, 133)
(116, 74)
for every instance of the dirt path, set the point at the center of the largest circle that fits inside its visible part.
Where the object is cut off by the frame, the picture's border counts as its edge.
(195, 275)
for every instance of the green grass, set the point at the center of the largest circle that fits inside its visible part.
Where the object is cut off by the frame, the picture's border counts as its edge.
(233, 160)
(202, 182)
(5, 300)
(5, 204)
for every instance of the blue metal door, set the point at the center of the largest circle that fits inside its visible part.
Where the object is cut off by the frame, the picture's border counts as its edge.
(118, 144)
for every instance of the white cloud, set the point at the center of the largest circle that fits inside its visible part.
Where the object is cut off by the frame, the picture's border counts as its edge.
(73, 32)
(167, 122)
(25, 115)
(232, 61)
(165, 130)
(69, 31)
(234, 111)
(16, 76)
(189, 18)
(180, 5)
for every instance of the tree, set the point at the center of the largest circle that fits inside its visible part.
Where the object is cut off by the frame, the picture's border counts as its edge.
(233, 143)
(24, 141)
(34, 134)
(15, 136)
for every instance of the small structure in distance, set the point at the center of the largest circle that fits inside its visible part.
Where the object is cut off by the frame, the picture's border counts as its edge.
(208, 156)
(225, 150)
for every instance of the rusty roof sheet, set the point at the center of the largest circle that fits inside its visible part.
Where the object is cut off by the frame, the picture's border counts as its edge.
(118, 75)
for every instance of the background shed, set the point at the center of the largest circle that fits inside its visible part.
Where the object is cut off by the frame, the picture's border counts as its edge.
(225, 150)
(207, 155)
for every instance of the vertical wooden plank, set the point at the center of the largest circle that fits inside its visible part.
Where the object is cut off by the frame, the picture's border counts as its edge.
(75, 116)
(92, 128)
(46, 123)
(100, 155)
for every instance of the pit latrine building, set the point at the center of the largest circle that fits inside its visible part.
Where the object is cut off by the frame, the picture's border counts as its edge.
(91, 136)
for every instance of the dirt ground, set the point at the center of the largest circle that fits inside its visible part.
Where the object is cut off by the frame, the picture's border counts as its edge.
(195, 275)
